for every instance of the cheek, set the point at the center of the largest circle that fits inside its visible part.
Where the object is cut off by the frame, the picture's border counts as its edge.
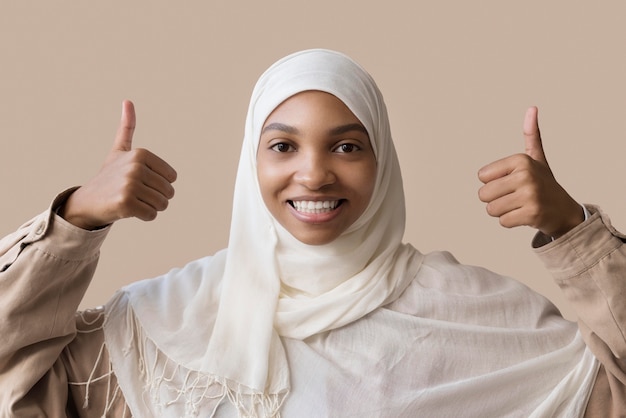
(369, 181)
(264, 179)
(270, 180)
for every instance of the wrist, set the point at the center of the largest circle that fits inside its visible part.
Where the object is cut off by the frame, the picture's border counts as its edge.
(578, 215)
(71, 212)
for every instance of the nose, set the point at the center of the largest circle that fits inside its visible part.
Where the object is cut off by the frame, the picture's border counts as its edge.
(315, 171)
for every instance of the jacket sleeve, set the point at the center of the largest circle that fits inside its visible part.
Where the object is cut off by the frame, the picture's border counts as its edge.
(589, 265)
(45, 269)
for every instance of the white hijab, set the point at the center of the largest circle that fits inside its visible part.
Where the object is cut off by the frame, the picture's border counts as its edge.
(222, 316)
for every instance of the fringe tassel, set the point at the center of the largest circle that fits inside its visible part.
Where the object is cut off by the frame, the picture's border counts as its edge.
(257, 405)
(169, 385)
(113, 392)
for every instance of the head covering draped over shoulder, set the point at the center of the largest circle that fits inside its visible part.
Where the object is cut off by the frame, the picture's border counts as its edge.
(223, 317)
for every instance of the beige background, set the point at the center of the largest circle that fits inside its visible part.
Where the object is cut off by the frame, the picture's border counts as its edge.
(457, 77)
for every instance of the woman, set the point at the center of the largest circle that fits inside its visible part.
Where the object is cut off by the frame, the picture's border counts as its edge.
(316, 308)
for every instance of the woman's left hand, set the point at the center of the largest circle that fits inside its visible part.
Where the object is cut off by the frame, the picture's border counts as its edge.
(521, 189)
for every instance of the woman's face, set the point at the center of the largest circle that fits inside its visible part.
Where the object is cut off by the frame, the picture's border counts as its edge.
(316, 167)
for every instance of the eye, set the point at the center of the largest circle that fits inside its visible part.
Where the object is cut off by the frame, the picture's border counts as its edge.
(282, 147)
(347, 148)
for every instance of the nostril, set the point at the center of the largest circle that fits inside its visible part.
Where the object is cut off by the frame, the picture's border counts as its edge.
(314, 178)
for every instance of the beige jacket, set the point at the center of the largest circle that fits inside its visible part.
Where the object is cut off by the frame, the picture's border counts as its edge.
(53, 362)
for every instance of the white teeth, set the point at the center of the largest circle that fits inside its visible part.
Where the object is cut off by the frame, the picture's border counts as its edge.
(317, 206)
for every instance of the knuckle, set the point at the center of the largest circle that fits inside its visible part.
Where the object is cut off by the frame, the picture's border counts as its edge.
(123, 205)
(139, 152)
(139, 155)
(130, 188)
(524, 160)
(531, 193)
(526, 176)
(135, 169)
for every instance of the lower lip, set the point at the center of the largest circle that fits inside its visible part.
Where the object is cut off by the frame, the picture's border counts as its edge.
(316, 218)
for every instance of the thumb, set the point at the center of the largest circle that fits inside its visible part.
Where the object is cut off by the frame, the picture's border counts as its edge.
(532, 136)
(124, 137)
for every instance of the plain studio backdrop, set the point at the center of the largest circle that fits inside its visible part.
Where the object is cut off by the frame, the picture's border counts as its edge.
(457, 78)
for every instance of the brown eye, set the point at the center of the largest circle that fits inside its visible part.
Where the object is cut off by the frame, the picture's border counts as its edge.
(347, 148)
(282, 147)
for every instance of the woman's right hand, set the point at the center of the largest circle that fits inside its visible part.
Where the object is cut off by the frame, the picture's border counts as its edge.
(131, 183)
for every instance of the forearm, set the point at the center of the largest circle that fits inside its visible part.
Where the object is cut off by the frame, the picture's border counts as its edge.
(589, 265)
(46, 268)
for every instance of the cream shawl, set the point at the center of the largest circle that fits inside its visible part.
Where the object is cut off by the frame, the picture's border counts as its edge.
(218, 328)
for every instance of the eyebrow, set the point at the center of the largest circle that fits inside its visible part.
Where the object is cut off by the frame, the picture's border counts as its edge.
(349, 128)
(276, 126)
(280, 127)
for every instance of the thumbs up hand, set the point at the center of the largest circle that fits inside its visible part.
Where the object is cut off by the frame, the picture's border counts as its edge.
(521, 189)
(131, 183)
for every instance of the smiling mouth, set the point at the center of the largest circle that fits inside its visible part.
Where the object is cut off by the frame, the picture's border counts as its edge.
(315, 206)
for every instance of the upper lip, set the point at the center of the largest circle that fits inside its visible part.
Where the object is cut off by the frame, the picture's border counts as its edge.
(314, 198)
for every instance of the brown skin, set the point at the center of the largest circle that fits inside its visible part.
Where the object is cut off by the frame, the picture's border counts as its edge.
(131, 183)
(521, 189)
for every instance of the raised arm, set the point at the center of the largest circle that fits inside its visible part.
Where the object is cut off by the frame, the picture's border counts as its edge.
(47, 265)
(587, 259)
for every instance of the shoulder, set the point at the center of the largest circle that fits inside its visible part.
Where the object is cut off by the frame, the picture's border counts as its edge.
(447, 290)
(441, 270)
(179, 283)
(163, 300)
